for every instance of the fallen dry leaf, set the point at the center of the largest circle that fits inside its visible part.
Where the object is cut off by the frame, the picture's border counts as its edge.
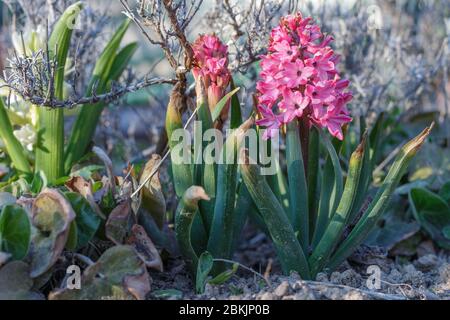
(119, 223)
(145, 248)
(83, 187)
(152, 197)
(118, 274)
(16, 283)
(52, 215)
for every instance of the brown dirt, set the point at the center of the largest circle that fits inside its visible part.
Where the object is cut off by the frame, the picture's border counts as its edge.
(426, 277)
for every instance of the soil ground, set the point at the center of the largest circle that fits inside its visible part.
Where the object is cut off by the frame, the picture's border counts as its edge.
(425, 277)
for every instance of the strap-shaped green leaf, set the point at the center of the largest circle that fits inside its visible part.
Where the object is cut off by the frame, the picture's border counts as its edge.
(181, 170)
(381, 200)
(236, 114)
(13, 147)
(220, 242)
(340, 219)
(109, 66)
(331, 188)
(288, 248)
(122, 60)
(184, 219)
(244, 204)
(59, 44)
(313, 177)
(50, 149)
(375, 139)
(363, 185)
(205, 173)
(279, 186)
(298, 192)
(217, 110)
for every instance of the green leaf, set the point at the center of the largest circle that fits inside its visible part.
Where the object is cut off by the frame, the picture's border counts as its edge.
(289, 250)
(15, 231)
(205, 173)
(244, 204)
(87, 171)
(59, 43)
(121, 60)
(236, 114)
(433, 214)
(14, 148)
(167, 293)
(87, 220)
(313, 177)
(184, 220)
(331, 188)
(380, 201)
(217, 110)
(444, 193)
(39, 182)
(72, 238)
(205, 264)
(279, 185)
(446, 232)
(50, 150)
(220, 242)
(298, 192)
(224, 276)
(86, 123)
(340, 219)
(181, 171)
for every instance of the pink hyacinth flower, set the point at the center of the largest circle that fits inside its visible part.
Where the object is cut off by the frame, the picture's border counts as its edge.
(295, 74)
(299, 78)
(211, 63)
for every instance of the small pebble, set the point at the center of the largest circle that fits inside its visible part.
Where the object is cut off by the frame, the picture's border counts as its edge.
(267, 296)
(427, 262)
(282, 289)
(322, 277)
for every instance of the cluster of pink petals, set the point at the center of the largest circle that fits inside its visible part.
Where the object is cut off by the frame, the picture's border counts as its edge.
(299, 79)
(211, 63)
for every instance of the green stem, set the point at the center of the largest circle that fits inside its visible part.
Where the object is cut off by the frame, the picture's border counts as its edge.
(50, 149)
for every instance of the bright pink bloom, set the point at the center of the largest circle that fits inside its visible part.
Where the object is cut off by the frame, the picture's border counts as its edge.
(322, 92)
(211, 63)
(295, 74)
(292, 105)
(299, 78)
(269, 120)
(322, 63)
(285, 52)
